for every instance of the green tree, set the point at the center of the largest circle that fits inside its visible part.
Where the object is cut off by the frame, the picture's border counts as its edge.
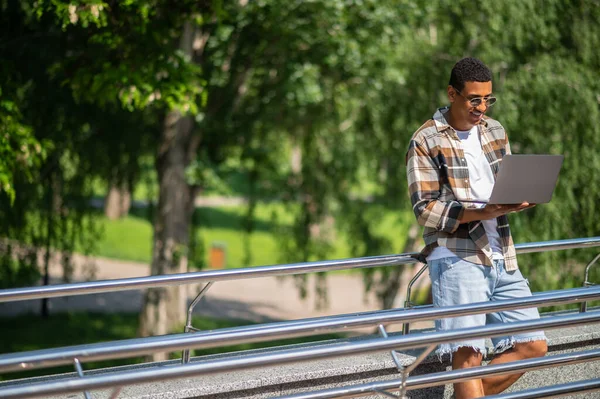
(54, 146)
(338, 85)
(545, 78)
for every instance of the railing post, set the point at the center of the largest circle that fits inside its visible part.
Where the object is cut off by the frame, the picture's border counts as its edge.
(587, 282)
(407, 303)
(399, 366)
(404, 370)
(79, 370)
(185, 355)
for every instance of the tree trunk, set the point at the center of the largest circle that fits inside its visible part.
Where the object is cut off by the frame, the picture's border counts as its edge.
(117, 202)
(54, 209)
(47, 246)
(165, 308)
(45, 308)
(390, 289)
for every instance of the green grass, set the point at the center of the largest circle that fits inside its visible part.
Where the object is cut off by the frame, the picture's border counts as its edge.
(131, 238)
(27, 332)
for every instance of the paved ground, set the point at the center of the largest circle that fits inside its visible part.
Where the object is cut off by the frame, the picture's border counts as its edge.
(259, 300)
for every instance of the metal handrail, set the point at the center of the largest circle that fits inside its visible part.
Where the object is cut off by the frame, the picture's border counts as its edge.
(449, 377)
(290, 329)
(135, 283)
(126, 348)
(553, 391)
(52, 291)
(291, 356)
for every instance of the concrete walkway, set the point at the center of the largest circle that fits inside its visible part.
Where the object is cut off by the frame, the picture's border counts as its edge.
(258, 300)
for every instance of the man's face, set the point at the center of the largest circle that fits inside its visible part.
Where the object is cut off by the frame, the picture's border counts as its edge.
(464, 113)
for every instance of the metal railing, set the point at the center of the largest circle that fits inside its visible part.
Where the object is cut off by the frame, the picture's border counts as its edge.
(427, 340)
(281, 330)
(210, 277)
(448, 377)
(135, 283)
(127, 348)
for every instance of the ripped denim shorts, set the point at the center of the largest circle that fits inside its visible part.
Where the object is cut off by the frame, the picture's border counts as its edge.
(455, 281)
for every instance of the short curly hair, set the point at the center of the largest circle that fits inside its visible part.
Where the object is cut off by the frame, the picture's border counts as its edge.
(469, 70)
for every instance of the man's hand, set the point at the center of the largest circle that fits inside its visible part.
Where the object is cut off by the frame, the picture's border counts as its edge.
(492, 211)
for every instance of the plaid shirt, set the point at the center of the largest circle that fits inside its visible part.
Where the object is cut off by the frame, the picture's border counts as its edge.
(438, 180)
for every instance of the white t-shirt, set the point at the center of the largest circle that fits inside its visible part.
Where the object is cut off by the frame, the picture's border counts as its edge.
(482, 182)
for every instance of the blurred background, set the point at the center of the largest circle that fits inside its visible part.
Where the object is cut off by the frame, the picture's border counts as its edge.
(144, 137)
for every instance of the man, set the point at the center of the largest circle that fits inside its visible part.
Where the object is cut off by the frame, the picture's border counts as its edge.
(452, 162)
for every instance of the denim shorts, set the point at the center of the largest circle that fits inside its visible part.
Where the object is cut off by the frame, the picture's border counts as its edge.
(455, 281)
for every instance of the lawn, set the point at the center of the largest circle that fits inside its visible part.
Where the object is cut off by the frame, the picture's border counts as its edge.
(131, 238)
(26, 333)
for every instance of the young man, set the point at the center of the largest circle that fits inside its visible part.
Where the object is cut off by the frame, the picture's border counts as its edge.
(452, 162)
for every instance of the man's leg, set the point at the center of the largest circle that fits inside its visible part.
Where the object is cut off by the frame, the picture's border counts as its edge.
(522, 346)
(457, 282)
(463, 358)
(520, 351)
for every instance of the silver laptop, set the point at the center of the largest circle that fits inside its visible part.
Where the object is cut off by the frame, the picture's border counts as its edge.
(526, 178)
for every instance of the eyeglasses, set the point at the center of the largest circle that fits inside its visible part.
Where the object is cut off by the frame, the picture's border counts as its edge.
(476, 102)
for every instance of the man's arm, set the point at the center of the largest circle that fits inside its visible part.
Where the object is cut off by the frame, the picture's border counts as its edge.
(424, 188)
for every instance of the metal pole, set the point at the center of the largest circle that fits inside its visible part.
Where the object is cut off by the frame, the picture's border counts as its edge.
(136, 283)
(587, 269)
(290, 329)
(553, 391)
(405, 370)
(393, 353)
(407, 302)
(79, 370)
(556, 245)
(185, 356)
(448, 377)
(586, 282)
(94, 287)
(290, 356)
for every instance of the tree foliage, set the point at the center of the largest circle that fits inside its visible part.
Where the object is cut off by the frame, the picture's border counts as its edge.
(314, 101)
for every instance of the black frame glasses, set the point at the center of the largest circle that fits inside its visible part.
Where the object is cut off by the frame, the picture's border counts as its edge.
(476, 102)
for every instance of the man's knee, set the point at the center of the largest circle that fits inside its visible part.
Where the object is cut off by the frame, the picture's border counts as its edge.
(532, 349)
(466, 357)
